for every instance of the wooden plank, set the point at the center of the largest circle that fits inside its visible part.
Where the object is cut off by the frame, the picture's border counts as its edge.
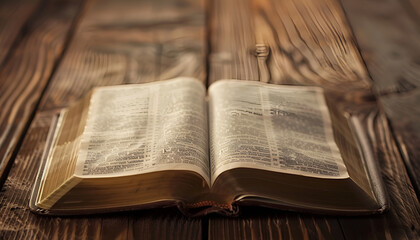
(404, 114)
(260, 223)
(117, 42)
(276, 54)
(26, 72)
(13, 16)
(389, 38)
(232, 41)
(311, 43)
(130, 42)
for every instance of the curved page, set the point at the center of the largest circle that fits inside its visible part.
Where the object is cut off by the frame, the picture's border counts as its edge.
(134, 129)
(277, 128)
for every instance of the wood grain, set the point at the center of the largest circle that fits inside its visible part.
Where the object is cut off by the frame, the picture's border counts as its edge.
(26, 72)
(131, 43)
(389, 36)
(232, 41)
(13, 16)
(259, 223)
(117, 42)
(311, 43)
(287, 42)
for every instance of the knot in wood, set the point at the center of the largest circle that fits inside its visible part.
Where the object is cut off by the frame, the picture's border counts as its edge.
(262, 50)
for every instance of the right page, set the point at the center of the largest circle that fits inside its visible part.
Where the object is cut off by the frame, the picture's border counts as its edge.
(277, 128)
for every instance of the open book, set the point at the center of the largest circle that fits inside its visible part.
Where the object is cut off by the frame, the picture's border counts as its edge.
(173, 143)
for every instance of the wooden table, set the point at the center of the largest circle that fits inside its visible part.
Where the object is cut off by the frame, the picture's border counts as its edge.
(54, 51)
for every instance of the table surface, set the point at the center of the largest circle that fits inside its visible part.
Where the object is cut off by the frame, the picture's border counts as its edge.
(364, 52)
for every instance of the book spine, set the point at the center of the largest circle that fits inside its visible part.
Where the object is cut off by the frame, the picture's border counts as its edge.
(206, 207)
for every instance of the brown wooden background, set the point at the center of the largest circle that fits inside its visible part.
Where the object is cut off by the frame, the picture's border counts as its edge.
(54, 51)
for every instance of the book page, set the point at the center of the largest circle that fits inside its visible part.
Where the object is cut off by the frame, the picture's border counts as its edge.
(141, 128)
(277, 128)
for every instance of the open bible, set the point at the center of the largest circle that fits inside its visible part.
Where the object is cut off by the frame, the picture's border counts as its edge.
(173, 143)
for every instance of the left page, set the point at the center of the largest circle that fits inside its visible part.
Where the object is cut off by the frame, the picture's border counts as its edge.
(134, 129)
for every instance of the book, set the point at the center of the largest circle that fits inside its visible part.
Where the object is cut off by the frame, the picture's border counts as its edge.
(173, 143)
